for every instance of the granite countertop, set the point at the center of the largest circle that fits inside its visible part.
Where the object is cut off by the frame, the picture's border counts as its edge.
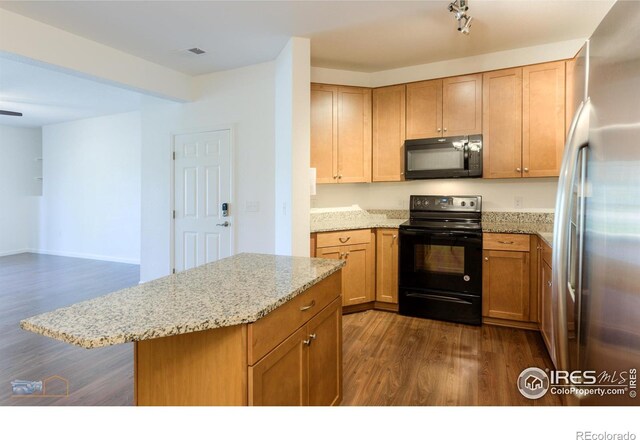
(544, 230)
(360, 223)
(236, 290)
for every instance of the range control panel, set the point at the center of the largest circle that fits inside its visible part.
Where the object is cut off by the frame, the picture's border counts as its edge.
(446, 203)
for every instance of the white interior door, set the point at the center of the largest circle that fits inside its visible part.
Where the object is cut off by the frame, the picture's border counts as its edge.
(202, 184)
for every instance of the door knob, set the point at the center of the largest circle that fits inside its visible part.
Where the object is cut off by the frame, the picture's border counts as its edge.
(225, 224)
(445, 129)
(526, 170)
(486, 258)
(518, 169)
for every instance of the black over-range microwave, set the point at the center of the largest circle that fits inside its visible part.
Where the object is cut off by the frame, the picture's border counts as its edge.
(439, 158)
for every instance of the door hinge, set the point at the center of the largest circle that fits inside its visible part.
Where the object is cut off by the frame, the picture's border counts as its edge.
(174, 213)
(174, 155)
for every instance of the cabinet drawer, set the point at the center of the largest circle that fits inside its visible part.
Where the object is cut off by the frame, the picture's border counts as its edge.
(505, 242)
(342, 238)
(266, 333)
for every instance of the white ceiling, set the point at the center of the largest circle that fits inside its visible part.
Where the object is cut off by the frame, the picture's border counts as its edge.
(46, 96)
(355, 35)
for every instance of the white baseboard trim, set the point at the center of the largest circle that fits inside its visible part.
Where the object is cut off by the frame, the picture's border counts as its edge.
(85, 256)
(19, 251)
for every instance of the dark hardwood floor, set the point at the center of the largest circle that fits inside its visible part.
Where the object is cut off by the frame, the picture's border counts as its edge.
(388, 359)
(32, 284)
(396, 360)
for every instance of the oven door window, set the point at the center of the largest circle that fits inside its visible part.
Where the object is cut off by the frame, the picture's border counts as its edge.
(431, 159)
(442, 259)
(440, 262)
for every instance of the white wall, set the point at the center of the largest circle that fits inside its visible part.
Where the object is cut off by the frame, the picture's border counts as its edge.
(243, 99)
(19, 191)
(91, 189)
(32, 41)
(292, 149)
(459, 66)
(498, 194)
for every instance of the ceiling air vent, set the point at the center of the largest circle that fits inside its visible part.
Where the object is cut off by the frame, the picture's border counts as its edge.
(196, 50)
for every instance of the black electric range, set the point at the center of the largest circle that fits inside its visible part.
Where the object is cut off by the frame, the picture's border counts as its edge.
(440, 269)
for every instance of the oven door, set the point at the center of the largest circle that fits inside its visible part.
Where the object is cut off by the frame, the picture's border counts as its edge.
(441, 261)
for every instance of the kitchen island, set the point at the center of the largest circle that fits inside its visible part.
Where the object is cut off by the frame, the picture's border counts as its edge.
(249, 329)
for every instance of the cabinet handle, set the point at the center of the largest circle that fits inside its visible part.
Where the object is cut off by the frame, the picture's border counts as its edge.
(307, 342)
(312, 336)
(339, 176)
(518, 170)
(305, 308)
(439, 130)
(344, 240)
(395, 236)
(445, 129)
(506, 242)
(526, 170)
(549, 283)
(335, 177)
(486, 258)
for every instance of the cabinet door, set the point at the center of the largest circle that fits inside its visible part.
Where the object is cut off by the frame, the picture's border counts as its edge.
(324, 132)
(281, 377)
(424, 109)
(543, 118)
(358, 274)
(325, 356)
(388, 133)
(505, 285)
(502, 124)
(387, 265)
(462, 105)
(354, 134)
(546, 323)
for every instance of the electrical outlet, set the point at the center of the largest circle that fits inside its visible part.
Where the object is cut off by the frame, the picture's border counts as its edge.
(518, 202)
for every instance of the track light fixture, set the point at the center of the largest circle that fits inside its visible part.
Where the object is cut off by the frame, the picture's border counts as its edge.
(460, 8)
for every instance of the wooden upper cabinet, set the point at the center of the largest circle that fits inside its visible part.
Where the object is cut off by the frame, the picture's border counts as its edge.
(543, 119)
(354, 134)
(424, 109)
(462, 105)
(388, 133)
(324, 132)
(502, 123)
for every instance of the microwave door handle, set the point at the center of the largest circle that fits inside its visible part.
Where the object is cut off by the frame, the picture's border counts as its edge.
(576, 140)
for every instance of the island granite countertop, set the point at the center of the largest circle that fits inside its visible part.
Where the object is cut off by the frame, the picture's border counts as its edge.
(237, 290)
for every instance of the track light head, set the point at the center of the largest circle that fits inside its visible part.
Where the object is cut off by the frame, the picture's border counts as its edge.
(460, 7)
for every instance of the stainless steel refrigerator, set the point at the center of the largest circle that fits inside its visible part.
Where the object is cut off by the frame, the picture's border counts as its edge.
(596, 252)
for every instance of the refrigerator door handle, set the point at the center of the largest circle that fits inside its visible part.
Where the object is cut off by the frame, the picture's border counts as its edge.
(576, 140)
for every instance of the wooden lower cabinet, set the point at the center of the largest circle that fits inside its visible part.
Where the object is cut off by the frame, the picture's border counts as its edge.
(281, 377)
(387, 265)
(292, 356)
(506, 285)
(509, 280)
(306, 369)
(547, 309)
(325, 356)
(358, 275)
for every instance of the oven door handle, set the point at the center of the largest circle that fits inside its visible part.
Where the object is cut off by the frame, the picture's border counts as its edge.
(440, 234)
(438, 297)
